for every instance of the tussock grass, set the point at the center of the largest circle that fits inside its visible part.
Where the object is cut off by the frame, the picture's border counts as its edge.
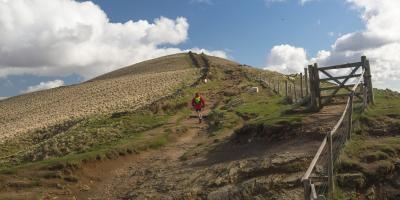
(371, 154)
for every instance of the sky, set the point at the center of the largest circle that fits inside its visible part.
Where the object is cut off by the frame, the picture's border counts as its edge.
(50, 43)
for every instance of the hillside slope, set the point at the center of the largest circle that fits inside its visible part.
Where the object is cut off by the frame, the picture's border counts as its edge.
(148, 152)
(127, 89)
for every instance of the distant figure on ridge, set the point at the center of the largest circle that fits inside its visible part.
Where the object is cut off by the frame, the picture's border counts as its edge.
(198, 103)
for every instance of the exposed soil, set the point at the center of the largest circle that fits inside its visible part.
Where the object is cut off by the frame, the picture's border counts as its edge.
(196, 166)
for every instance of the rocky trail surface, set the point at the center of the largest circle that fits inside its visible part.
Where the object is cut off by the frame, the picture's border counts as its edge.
(218, 169)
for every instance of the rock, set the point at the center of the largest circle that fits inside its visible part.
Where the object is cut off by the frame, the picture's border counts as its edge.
(85, 188)
(228, 192)
(356, 180)
(253, 90)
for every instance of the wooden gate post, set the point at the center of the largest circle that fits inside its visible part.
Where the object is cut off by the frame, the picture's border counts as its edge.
(301, 85)
(331, 184)
(279, 87)
(312, 88)
(306, 80)
(367, 80)
(307, 189)
(286, 88)
(317, 85)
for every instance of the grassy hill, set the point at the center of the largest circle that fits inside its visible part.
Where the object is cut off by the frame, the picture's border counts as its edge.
(109, 93)
(137, 125)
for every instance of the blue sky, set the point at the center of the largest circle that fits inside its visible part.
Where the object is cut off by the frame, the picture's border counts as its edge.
(247, 31)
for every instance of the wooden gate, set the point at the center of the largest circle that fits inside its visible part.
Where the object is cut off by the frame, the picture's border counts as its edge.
(331, 85)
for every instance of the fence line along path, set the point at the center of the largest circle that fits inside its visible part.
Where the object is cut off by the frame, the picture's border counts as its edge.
(319, 179)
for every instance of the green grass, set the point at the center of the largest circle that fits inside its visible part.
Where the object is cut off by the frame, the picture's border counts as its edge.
(366, 153)
(265, 109)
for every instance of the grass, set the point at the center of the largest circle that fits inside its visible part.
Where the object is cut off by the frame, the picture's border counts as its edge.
(265, 109)
(374, 156)
(103, 136)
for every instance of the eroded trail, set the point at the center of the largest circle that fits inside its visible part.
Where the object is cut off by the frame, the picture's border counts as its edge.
(195, 166)
(145, 173)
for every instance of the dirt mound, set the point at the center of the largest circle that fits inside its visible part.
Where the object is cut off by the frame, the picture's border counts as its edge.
(265, 133)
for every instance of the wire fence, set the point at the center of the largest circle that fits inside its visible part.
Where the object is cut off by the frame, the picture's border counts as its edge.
(294, 86)
(318, 181)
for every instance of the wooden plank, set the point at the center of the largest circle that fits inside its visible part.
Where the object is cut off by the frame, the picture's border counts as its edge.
(331, 184)
(313, 194)
(341, 77)
(347, 65)
(330, 76)
(341, 95)
(315, 159)
(344, 82)
(334, 87)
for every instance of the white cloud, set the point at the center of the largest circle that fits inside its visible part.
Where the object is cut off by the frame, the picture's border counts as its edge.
(44, 86)
(62, 37)
(2, 98)
(301, 2)
(209, 2)
(286, 59)
(379, 41)
(217, 53)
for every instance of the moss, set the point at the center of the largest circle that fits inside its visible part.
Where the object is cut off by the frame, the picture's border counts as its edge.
(374, 156)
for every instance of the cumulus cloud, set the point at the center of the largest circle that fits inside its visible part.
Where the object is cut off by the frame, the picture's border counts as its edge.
(379, 41)
(286, 59)
(44, 86)
(209, 2)
(62, 37)
(217, 53)
(302, 2)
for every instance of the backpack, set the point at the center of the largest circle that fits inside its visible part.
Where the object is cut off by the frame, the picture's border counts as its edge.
(197, 100)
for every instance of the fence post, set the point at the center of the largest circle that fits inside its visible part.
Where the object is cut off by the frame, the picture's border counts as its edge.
(306, 80)
(367, 79)
(331, 184)
(279, 88)
(301, 85)
(286, 88)
(307, 189)
(317, 85)
(365, 97)
(350, 116)
(312, 87)
(370, 88)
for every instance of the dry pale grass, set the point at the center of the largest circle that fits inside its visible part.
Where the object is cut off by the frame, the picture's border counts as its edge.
(45, 108)
(163, 64)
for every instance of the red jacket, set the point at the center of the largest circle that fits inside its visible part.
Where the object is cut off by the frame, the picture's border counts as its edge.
(200, 105)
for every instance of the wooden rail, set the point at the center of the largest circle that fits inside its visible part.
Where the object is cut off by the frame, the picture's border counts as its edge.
(310, 192)
(318, 100)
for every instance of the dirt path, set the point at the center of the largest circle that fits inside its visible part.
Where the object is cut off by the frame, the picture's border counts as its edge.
(113, 178)
(223, 171)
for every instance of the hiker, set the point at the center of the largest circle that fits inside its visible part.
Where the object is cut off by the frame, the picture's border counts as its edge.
(198, 103)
